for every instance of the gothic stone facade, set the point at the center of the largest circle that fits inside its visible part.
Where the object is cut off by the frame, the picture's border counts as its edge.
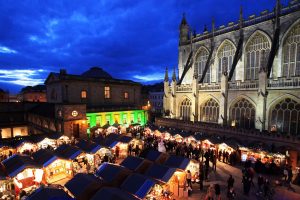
(251, 99)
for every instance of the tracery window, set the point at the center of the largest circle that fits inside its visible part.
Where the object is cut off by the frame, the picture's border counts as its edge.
(243, 114)
(200, 63)
(291, 53)
(257, 52)
(209, 112)
(225, 57)
(185, 109)
(285, 117)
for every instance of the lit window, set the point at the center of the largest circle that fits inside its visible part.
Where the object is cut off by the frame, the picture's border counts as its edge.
(106, 92)
(126, 95)
(83, 94)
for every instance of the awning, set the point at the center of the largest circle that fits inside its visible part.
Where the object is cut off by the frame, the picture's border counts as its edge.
(138, 185)
(49, 193)
(108, 193)
(160, 172)
(44, 157)
(68, 152)
(84, 186)
(17, 163)
(178, 162)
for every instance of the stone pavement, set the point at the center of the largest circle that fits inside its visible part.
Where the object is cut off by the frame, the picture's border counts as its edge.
(221, 176)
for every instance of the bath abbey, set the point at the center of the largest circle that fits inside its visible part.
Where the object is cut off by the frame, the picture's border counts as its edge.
(245, 74)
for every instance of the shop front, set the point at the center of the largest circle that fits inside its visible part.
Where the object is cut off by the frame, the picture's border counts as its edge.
(6, 186)
(26, 147)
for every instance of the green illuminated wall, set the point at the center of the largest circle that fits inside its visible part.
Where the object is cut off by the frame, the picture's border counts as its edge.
(121, 117)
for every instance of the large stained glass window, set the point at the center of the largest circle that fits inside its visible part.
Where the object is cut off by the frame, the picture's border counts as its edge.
(209, 111)
(200, 63)
(242, 114)
(225, 59)
(185, 109)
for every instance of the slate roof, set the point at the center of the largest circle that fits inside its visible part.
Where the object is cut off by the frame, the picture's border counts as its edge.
(83, 185)
(17, 163)
(88, 146)
(178, 162)
(44, 157)
(138, 185)
(108, 193)
(132, 162)
(49, 193)
(66, 151)
(160, 172)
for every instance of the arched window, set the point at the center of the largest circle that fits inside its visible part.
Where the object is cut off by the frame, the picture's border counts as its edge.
(285, 117)
(257, 52)
(209, 111)
(185, 109)
(200, 64)
(291, 53)
(242, 114)
(225, 58)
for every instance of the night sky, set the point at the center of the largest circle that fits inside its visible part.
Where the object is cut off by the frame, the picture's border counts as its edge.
(130, 39)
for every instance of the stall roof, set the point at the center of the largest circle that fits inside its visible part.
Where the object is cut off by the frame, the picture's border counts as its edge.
(83, 185)
(132, 162)
(215, 139)
(160, 172)
(88, 146)
(111, 143)
(17, 163)
(110, 172)
(67, 152)
(49, 193)
(153, 155)
(125, 139)
(108, 193)
(138, 185)
(44, 157)
(178, 162)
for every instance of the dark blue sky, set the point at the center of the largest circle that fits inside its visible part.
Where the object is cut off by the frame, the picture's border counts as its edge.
(131, 39)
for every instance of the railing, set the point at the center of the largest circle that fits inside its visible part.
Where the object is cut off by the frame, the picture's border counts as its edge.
(213, 129)
(211, 87)
(184, 88)
(284, 83)
(247, 85)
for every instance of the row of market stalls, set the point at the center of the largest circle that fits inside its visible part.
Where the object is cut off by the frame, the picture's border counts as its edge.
(156, 176)
(252, 152)
(22, 171)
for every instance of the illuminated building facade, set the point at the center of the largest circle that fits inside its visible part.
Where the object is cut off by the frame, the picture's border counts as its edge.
(245, 74)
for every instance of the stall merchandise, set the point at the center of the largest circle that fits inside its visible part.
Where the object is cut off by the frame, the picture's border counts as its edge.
(207, 144)
(6, 151)
(224, 147)
(171, 180)
(6, 186)
(26, 148)
(46, 142)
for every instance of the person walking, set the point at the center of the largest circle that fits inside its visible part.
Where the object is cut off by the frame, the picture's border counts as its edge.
(215, 162)
(230, 182)
(189, 179)
(260, 182)
(289, 179)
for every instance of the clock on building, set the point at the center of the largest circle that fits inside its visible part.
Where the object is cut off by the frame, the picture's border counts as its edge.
(74, 113)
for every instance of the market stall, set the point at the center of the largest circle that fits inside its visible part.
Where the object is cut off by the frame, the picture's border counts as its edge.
(136, 164)
(6, 151)
(207, 144)
(112, 129)
(156, 156)
(46, 143)
(84, 186)
(182, 164)
(170, 180)
(141, 187)
(54, 168)
(25, 173)
(6, 186)
(79, 160)
(25, 147)
(111, 174)
(126, 142)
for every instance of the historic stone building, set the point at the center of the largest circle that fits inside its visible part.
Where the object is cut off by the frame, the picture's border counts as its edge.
(244, 74)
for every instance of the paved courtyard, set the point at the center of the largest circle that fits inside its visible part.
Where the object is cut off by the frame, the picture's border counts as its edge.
(221, 176)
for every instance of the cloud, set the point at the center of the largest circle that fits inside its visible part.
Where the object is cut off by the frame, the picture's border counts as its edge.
(149, 77)
(22, 77)
(4, 49)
